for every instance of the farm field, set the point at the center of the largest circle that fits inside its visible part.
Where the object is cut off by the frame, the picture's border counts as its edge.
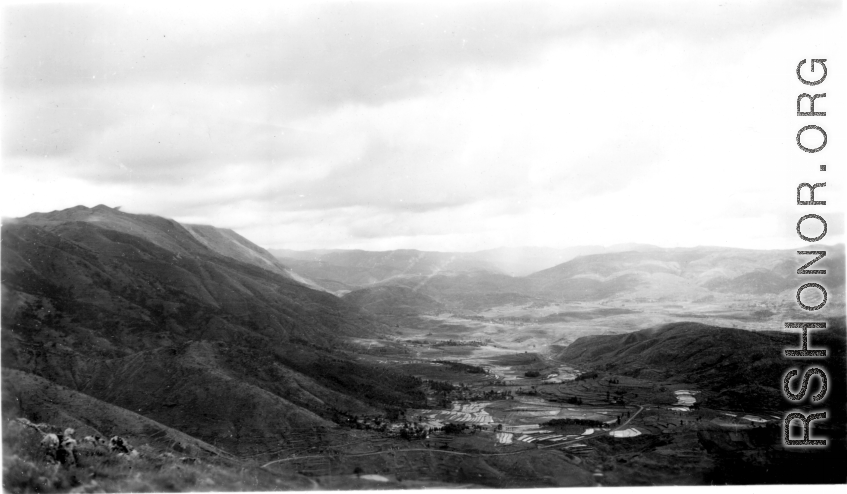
(513, 395)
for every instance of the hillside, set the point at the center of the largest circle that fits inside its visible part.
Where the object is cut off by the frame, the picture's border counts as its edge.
(164, 458)
(138, 275)
(709, 357)
(230, 244)
(523, 261)
(187, 326)
(26, 395)
(394, 300)
(240, 399)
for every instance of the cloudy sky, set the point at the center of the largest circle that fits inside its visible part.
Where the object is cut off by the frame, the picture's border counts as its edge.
(451, 126)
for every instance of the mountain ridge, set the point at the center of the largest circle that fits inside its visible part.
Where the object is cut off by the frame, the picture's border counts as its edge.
(686, 274)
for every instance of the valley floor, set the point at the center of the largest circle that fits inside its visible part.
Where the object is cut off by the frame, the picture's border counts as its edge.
(501, 411)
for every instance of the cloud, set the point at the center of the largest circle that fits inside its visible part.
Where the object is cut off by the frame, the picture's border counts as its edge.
(451, 125)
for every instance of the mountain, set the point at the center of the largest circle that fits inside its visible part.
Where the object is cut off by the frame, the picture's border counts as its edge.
(644, 274)
(522, 261)
(340, 271)
(708, 357)
(682, 273)
(144, 273)
(193, 327)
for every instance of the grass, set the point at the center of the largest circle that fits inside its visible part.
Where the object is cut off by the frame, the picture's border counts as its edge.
(26, 470)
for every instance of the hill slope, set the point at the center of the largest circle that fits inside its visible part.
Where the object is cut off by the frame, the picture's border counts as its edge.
(142, 274)
(40, 400)
(189, 326)
(228, 243)
(741, 368)
(393, 300)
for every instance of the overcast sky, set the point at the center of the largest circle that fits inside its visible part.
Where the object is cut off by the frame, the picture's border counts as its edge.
(451, 126)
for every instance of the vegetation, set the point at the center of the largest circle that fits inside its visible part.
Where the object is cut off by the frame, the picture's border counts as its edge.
(460, 367)
(454, 428)
(27, 469)
(582, 422)
(440, 386)
(587, 375)
(458, 343)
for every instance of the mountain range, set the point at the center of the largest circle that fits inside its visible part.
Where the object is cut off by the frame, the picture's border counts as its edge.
(669, 275)
(344, 270)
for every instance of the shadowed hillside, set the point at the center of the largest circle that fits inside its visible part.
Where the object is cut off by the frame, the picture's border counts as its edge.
(26, 395)
(741, 368)
(192, 327)
(138, 275)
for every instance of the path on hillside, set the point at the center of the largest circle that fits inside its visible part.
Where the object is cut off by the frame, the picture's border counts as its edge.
(425, 450)
(640, 408)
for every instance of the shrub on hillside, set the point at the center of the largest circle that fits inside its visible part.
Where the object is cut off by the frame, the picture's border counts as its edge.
(564, 422)
(24, 465)
(587, 375)
(28, 469)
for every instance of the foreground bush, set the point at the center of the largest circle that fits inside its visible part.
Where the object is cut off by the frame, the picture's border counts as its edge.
(28, 469)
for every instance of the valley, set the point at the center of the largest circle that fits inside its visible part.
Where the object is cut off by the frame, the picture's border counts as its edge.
(401, 369)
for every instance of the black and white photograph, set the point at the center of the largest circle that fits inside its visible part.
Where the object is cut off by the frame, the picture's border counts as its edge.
(355, 245)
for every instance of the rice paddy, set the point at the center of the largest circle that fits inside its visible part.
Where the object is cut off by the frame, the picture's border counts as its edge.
(631, 432)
